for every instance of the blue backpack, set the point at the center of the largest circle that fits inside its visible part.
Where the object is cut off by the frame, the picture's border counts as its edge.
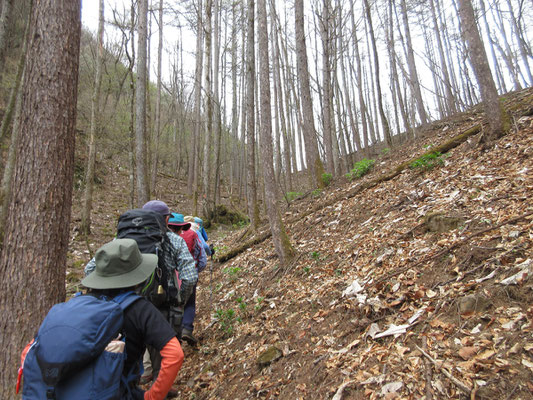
(67, 358)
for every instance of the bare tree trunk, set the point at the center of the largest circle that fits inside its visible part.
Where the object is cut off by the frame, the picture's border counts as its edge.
(344, 143)
(384, 121)
(217, 121)
(253, 206)
(395, 83)
(157, 128)
(494, 111)
(234, 154)
(131, 153)
(34, 253)
(140, 105)
(280, 238)
(359, 79)
(206, 170)
(450, 99)
(522, 43)
(347, 95)
(499, 76)
(194, 162)
(326, 85)
(505, 54)
(315, 168)
(280, 98)
(85, 226)
(414, 83)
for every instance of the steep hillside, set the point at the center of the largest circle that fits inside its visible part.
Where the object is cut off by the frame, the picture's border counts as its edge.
(415, 286)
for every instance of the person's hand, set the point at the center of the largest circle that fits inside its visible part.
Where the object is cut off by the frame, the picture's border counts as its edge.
(212, 249)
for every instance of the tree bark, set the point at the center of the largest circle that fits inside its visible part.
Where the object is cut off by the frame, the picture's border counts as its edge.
(34, 255)
(315, 168)
(253, 206)
(206, 170)
(326, 85)
(494, 112)
(140, 105)
(280, 238)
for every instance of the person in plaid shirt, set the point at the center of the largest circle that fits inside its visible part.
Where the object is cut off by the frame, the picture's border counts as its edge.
(176, 256)
(175, 253)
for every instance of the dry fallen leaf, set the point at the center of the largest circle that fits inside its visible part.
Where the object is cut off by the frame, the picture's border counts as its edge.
(467, 353)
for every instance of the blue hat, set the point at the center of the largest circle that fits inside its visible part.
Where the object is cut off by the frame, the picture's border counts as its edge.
(158, 206)
(178, 220)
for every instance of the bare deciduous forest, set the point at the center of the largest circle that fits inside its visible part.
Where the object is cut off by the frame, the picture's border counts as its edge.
(363, 169)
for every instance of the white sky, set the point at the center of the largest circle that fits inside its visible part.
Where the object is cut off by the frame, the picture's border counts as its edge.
(89, 17)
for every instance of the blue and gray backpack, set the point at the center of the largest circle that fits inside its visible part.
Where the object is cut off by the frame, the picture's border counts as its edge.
(68, 358)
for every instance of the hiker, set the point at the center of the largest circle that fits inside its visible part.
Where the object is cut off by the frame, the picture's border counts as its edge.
(210, 250)
(175, 254)
(176, 257)
(120, 269)
(197, 226)
(178, 225)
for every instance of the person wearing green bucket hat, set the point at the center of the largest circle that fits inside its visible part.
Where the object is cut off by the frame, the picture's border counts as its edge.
(120, 267)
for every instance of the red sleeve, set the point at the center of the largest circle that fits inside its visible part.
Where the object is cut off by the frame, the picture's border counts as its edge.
(172, 359)
(25, 351)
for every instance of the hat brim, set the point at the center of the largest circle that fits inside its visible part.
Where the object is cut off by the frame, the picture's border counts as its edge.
(184, 225)
(129, 279)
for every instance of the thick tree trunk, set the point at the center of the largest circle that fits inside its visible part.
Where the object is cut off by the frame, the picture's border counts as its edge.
(280, 238)
(314, 163)
(494, 112)
(34, 254)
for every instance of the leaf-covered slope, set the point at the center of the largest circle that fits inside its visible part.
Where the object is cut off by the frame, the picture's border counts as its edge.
(425, 255)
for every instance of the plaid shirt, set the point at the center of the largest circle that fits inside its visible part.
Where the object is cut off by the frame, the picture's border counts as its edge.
(176, 255)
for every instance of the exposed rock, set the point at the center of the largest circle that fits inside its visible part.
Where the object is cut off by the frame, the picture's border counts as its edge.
(268, 356)
(440, 222)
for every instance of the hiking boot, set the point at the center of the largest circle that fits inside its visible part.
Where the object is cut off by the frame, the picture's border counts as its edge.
(188, 337)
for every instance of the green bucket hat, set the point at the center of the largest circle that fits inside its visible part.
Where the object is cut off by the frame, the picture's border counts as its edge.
(120, 264)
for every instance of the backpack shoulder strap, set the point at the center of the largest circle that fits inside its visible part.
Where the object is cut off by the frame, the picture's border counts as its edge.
(124, 300)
